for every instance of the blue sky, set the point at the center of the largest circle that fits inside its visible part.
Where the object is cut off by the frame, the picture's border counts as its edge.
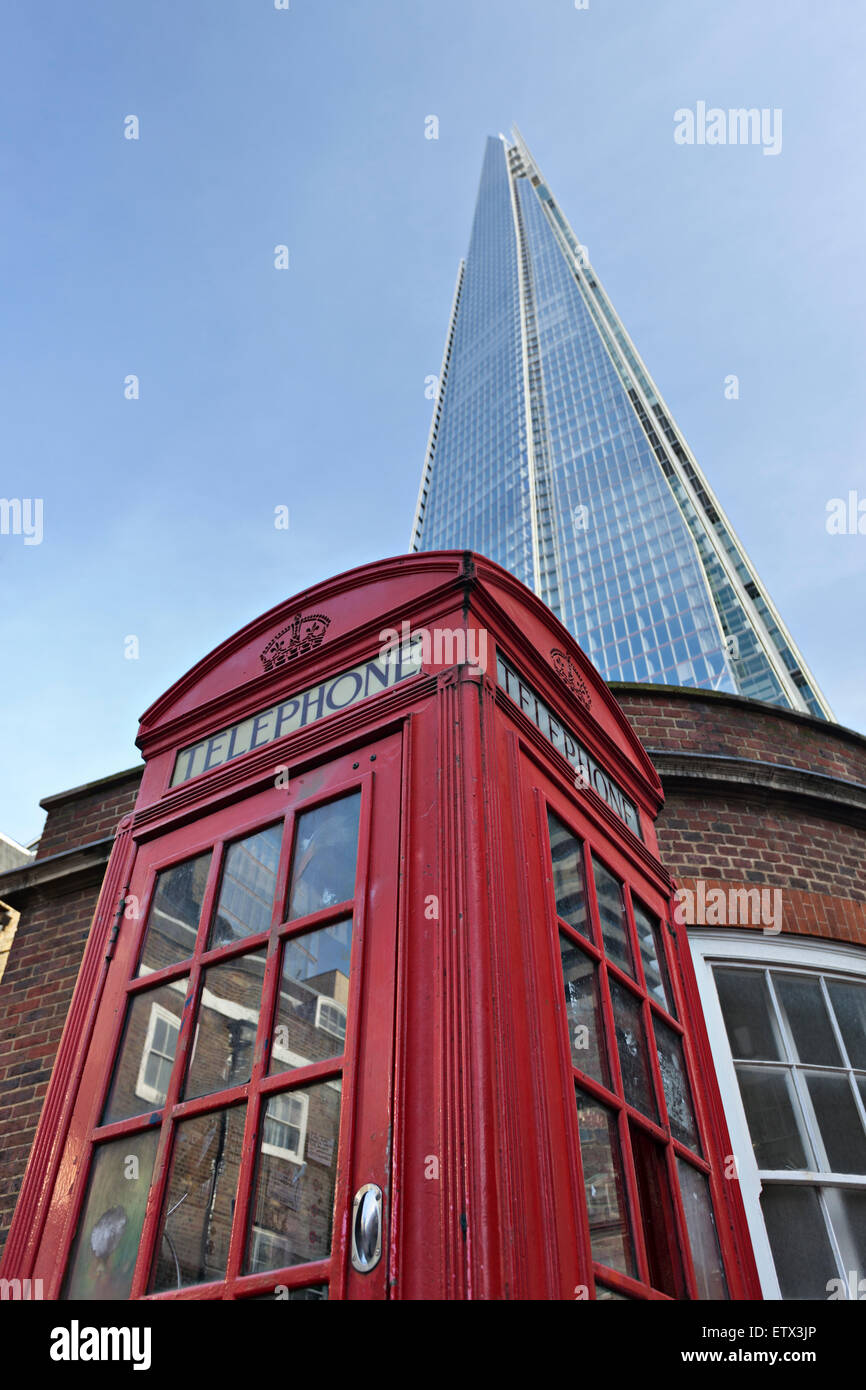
(305, 387)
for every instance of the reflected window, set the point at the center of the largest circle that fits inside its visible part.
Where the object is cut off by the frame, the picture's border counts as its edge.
(314, 995)
(249, 881)
(147, 1051)
(172, 922)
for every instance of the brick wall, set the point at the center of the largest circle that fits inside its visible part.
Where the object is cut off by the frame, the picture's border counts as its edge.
(88, 813)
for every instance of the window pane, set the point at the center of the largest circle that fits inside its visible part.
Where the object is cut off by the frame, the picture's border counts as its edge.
(849, 1002)
(583, 1012)
(847, 1210)
(752, 1029)
(803, 1004)
(249, 880)
(775, 1122)
(611, 911)
(103, 1256)
(200, 1199)
(172, 921)
(654, 1194)
(678, 1096)
(839, 1122)
(146, 1054)
(602, 1291)
(293, 1207)
(633, 1054)
(703, 1238)
(649, 932)
(228, 1015)
(326, 851)
(314, 996)
(568, 886)
(798, 1238)
(605, 1190)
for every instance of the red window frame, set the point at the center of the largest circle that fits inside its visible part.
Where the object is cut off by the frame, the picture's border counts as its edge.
(367, 1052)
(594, 842)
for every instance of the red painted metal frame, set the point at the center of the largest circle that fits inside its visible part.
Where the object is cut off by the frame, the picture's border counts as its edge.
(458, 1083)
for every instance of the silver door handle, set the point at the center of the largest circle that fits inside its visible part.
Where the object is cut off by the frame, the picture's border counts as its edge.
(367, 1228)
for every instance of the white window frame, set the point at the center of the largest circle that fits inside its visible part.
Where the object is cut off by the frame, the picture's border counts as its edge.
(775, 951)
(327, 999)
(157, 1013)
(292, 1155)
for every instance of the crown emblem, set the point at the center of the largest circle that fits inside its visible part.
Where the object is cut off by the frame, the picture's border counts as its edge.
(300, 636)
(566, 668)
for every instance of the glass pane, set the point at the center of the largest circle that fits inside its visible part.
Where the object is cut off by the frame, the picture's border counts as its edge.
(146, 1054)
(703, 1239)
(611, 911)
(838, 1121)
(798, 1238)
(314, 996)
(583, 1012)
(849, 1001)
(678, 1096)
(774, 1118)
(649, 931)
(847, 1212)
(605, 1190)
(806, 1013)
(293, 1208)
(172, 922)
(654, 1194)
(326, 851)
(602, 1291)
(568, 887)
(752, 1028)
(249, 880)
(103, 1256)
(228, 1015)
(200, 1200)
(633, 1054)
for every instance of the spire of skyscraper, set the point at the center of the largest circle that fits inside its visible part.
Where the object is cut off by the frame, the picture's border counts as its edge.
(552, 451)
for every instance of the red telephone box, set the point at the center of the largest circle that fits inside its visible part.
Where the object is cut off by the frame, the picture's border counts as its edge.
(383, 996)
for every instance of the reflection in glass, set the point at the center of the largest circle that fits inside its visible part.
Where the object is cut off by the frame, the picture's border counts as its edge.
(568, 886)
(749, 1018)
(611, 911)
(633, 1055)
(293, 1206)
(774, 1118)
(103, 1256)
(314, 996)
(847, 1211)
(703, 1238)
(849, 1002)
(249, 879)
(146, 1054)
(172, 921)
(678, 1096)
(326, 851)
(843, 1135)
(583, 1012)
(803, 1003)
(798, 1237)
(653, 957)
(228, 1015)
(312, 1293)
(199, 1202)
(605, 1191)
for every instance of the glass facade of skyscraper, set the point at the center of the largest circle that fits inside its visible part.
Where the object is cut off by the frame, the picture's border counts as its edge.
(552, 452)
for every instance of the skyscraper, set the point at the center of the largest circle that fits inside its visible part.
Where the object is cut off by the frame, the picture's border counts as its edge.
(552, 451)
